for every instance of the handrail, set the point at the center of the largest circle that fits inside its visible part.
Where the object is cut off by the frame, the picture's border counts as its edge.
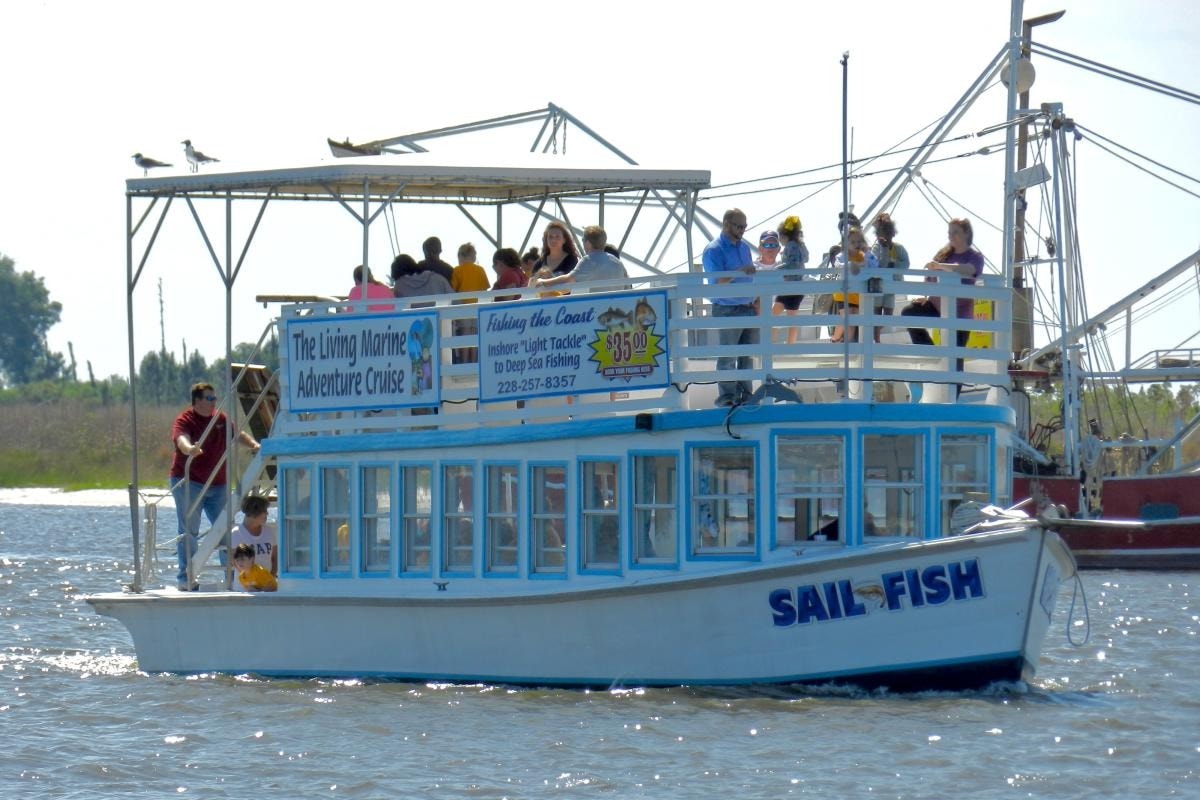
(223, 519)
(846, 370)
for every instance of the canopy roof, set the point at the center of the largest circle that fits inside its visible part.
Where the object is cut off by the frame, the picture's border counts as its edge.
(423, 177)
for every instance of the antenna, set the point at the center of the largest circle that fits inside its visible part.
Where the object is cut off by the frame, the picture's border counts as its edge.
(162, 329)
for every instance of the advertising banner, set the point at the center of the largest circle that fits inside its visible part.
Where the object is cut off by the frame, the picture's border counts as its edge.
(365, 362)
(573, 345)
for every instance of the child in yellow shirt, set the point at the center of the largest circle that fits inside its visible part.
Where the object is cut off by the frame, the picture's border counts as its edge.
(254, 578)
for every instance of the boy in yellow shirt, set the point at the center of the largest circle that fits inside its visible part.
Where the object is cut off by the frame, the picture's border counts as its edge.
(254, 578)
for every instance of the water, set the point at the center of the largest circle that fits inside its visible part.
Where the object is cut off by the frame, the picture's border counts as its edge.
(1117, 717)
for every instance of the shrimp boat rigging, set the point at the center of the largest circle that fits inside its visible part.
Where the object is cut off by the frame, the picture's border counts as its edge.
(1124, 501)
(571, 509)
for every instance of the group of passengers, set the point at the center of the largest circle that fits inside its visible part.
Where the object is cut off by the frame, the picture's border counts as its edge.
(730, 255)
(557, 263)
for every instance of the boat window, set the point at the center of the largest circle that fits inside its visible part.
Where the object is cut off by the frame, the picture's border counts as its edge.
(502, 489)
(376, 522)
(458, 518)
(893, 485)
(335, 520)
(654, 508)
(809, 489)
(723, 500)
(418, 517)
(297, 518)
(601, 522)
(549, 520)
(964, 460)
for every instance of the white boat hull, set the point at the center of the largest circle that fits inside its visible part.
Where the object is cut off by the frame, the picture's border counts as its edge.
(983, 605)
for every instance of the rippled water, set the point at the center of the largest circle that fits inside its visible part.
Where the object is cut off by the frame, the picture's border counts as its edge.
(1117, 717)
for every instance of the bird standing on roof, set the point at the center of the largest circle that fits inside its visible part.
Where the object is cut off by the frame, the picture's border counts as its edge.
(148, 164)
(195, 157)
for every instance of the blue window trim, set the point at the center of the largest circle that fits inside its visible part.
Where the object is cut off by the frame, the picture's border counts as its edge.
(402, 535)
(690, 524)
(773, 437)
(391, 567)
(352, 572)
(619, 494)
(530, 567)
(854, 512)
(281, 487)
(631, 516)
(485, 543)
(440, 482)
(989, 435)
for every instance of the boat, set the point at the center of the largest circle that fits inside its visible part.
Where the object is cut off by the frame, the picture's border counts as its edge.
(1120, 498)
(345, 149)
(571, 508)
(1121, 501)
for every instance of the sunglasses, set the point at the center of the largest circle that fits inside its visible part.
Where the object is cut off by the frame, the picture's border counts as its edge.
(769, 246)
(212, 398)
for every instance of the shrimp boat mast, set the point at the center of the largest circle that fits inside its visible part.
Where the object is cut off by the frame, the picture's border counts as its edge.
(1125, 500)
(568, 507)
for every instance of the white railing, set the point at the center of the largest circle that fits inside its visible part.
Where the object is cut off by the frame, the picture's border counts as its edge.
(819, 369)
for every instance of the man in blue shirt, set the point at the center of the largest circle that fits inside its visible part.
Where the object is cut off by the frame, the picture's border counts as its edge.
(729, 255)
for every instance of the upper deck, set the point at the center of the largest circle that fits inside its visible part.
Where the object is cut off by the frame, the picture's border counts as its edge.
(644, 345)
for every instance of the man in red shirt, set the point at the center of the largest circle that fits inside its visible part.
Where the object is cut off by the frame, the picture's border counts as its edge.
(205, 452)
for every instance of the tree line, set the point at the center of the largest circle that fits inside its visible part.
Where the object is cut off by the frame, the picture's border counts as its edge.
(30, 372)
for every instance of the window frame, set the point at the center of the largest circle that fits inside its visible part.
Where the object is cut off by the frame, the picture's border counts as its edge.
(584, 514)
(285, 536)
(754, 492)
(828, 435)
(446, 517)
(492, 518)
(918, 483)
(635, 559)
(535, 517)
(406, 518)
(323, 568)
(942, 522)
(389, 565)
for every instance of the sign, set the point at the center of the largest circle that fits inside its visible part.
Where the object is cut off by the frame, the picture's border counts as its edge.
(362, 362)
(978, 339)
(895, 591)
(574, 345)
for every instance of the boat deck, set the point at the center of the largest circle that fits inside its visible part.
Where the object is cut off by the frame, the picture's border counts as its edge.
(475, 391)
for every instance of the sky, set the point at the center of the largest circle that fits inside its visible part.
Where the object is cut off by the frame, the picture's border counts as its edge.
(745, 90)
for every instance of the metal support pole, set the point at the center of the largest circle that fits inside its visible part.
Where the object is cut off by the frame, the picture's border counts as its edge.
(1014, 202)
(845, 227)
(133, 478)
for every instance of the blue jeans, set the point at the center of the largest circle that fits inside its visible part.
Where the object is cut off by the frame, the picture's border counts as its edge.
(185, 493)
(735, 391)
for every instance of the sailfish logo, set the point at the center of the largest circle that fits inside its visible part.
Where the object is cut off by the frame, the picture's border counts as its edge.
(872, 593)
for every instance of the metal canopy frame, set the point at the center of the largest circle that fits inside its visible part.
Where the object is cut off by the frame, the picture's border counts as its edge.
(366, 187)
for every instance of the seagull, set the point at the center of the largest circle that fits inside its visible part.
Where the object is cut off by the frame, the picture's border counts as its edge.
(148, 164)
(195, 157)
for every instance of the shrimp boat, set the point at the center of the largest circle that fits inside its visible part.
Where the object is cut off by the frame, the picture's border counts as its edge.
(1125, 500)
(568, 506)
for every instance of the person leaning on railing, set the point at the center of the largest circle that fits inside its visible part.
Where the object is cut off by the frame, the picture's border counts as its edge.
(958, 256)
(193, 463)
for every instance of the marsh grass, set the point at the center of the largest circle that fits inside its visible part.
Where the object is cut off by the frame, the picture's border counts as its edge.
(82, 445)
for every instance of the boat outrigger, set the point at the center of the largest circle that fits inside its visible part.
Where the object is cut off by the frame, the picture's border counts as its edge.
(571, 509)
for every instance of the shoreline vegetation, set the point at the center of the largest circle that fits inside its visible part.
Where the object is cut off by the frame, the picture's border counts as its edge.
(49, 438)
(79, 444)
